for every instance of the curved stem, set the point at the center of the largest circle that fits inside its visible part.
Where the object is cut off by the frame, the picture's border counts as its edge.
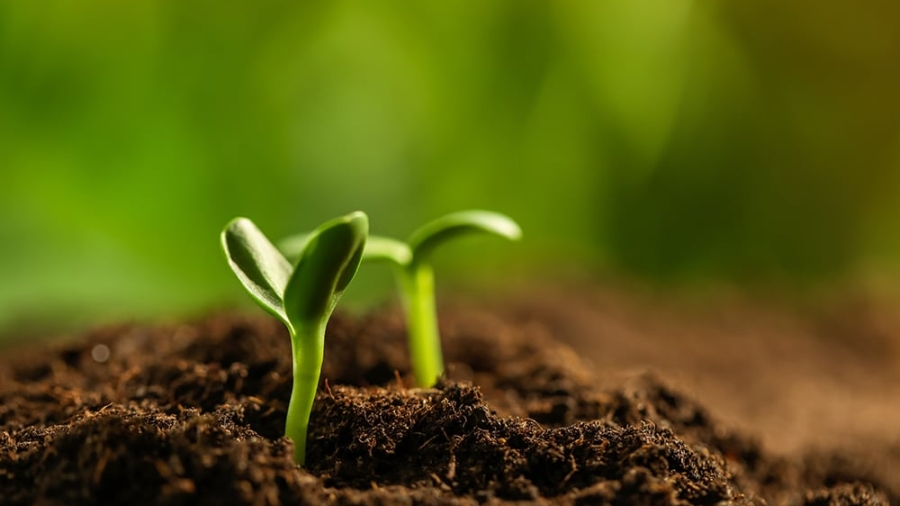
(417, 281)
(307, 345)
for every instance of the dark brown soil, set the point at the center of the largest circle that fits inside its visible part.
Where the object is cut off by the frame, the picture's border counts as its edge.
(192, 414)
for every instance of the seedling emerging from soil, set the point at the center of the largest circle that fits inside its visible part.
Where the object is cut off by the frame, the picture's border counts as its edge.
(301, 296)
(415, 277)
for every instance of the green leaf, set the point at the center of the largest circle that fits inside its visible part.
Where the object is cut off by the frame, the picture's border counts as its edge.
(429, 236)
(384, 248)
(262, 270)
(325, 268)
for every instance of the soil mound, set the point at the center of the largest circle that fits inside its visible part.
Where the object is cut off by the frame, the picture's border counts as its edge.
(193, 414)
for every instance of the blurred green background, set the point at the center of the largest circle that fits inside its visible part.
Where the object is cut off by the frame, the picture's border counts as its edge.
(672, 140)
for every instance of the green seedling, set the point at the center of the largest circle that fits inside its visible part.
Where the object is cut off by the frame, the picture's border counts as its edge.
(415, 277)
(302, 296)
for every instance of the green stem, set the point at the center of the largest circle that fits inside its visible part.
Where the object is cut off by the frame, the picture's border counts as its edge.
(417, 281)
(307, 345)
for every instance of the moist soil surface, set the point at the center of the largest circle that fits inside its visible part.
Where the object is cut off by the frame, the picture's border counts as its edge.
(193, 413)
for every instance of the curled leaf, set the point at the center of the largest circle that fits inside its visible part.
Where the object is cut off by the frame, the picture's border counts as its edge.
(427, 237)
(326, 265)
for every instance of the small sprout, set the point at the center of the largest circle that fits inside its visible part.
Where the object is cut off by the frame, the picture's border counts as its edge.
(416, 278)
(302, 296)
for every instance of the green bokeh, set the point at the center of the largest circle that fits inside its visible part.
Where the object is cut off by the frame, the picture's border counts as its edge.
(670, 139)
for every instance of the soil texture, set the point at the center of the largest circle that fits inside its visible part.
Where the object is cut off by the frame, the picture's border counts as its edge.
(193, 414)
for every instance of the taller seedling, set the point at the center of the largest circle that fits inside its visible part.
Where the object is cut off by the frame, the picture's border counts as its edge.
(415, 277)
(302, 296)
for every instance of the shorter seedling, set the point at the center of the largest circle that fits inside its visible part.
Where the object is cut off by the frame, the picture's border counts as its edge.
(415, 277)
(302, 296)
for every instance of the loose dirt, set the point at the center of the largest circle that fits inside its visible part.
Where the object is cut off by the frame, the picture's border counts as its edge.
(544, 403)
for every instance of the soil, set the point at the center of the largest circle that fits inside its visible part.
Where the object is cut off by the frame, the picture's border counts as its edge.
(536, 408)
